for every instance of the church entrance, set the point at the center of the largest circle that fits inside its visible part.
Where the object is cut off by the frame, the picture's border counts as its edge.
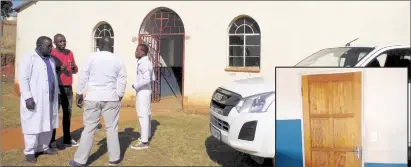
(163, 32)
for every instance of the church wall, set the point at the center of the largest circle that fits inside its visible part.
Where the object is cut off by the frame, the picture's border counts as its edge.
(290, 31)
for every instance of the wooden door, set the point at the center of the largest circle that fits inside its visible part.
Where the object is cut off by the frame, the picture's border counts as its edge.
(332, 119)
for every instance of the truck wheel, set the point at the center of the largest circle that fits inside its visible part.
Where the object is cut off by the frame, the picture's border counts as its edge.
(269, 162)
(409, 155)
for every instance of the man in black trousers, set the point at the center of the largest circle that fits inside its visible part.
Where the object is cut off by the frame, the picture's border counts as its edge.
(65, 67)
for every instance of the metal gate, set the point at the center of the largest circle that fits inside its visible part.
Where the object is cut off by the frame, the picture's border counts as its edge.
(160, 22)
(153, 42)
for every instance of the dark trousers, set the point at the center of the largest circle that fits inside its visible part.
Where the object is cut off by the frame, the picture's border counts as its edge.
(65, 102)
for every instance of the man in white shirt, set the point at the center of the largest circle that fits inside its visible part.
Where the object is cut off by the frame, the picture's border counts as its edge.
(145, 76)
(105, 76)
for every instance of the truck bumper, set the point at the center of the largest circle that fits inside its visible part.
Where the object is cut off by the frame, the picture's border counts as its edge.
(250, 133)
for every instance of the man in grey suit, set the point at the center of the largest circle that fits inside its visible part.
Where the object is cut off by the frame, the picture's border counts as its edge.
(105, 76)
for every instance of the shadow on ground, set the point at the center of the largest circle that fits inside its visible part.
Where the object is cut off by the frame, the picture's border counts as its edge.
(225, 156)
(75, 135)
(126, 138)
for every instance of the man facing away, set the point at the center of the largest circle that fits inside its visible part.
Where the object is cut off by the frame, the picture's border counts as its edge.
(145, 76)
(66, 67)
(105, 76)
(38, 99)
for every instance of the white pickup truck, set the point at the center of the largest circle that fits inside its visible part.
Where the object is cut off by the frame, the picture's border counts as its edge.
(242, 113)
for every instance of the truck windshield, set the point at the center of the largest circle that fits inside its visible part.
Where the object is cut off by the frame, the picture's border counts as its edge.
(336, 57)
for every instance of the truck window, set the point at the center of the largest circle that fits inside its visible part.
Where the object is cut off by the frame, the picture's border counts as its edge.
(393, 58)
(336, 57)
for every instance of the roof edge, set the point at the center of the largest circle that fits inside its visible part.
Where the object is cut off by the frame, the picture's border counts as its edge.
(24, 4)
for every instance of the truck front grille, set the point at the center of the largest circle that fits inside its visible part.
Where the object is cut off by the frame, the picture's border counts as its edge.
(220, 124)
(223, 101)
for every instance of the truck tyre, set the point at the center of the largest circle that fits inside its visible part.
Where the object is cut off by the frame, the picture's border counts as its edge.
(269, 162)
(409, 156)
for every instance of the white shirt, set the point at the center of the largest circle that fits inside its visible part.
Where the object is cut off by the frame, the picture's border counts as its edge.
(105, 76)
(145, 74)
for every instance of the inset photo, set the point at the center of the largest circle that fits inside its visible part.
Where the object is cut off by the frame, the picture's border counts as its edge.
(341, 117)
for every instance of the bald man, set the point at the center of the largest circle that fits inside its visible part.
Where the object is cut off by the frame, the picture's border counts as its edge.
(38, 99)
(105, 76)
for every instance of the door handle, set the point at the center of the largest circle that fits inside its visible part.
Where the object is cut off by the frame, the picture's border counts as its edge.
(358, 152)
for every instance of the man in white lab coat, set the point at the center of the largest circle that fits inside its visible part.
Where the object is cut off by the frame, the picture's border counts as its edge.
(105, 76)
(145, 76)
(38, 99)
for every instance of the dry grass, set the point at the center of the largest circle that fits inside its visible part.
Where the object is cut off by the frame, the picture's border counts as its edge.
(179, 139)
(10, 107)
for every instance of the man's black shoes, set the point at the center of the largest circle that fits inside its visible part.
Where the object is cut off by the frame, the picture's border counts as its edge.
(31, 158)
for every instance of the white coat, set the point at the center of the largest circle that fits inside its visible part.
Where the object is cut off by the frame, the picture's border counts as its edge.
(33, 83)
(145, 75)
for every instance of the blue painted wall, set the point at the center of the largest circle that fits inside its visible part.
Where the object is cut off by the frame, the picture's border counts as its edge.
(289, 150)
(383, 165)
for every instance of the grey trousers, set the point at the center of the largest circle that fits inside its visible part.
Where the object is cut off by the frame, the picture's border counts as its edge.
(91, 117)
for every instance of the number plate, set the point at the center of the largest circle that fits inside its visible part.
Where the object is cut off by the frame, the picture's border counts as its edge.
(215, 132)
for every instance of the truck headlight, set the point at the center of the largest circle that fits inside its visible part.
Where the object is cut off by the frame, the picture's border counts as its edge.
(256, 104)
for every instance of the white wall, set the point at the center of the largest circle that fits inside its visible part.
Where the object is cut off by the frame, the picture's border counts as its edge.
(384, 108)
(290, 31)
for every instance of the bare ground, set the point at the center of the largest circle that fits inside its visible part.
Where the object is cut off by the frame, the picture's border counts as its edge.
(180, 139)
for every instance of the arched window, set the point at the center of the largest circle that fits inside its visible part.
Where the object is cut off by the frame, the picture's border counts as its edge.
(100, 31)
(244, 43)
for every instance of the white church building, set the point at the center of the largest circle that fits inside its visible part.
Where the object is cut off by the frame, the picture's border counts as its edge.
(198, 46)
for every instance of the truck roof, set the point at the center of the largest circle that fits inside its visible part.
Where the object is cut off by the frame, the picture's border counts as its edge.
(379, 46)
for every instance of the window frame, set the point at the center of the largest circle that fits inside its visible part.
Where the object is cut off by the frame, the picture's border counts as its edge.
(385, 52)
(376, 52)
(253, 26)
(103, 30)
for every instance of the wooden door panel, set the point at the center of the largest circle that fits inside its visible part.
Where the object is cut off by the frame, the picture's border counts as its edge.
(345, 132)
(332, 119)
(322, 158)
(320, 133)
(333, 159)
(342, 97)
(318, 105)
(344, 159)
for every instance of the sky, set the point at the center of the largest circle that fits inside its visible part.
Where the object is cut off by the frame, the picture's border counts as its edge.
(17, 3)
